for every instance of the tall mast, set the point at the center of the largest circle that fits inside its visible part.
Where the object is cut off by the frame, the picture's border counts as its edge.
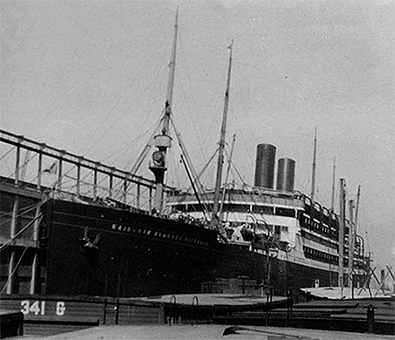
(333, 185)
(163, 140)
(357, 208)
(314, 166)
(351, 243)
(342, 222)
(354, 235)
(222, 142)
(170, 83)
(226, 177)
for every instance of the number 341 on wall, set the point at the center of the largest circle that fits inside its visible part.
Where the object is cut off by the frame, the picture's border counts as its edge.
(38, 307)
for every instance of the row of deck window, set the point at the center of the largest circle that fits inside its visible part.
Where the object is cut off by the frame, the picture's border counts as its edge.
(319, 227)
(321, 256)
(324, 215)
(318, 255)
(320, 240)
(241, 208)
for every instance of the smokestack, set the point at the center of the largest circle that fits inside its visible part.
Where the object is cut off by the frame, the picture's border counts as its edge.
(285, 174)
(264, 165)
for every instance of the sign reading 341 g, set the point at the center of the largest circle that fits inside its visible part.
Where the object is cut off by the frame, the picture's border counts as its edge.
(40, 307)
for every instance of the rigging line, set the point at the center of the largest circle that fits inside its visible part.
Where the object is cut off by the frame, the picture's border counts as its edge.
(202, 204)
(33, 180)
(125, 94)
(108, 126)
(5, 245)
(260, 38)
(208, 163)
(13, 272)
(153, 128)
(87, 174)
(141, 157)
(27, 208)
(144, 153)
(81, 181)
(125, 110)
(98, 186)
(126, 146)
(234, 167)
(7, 153)
(188, 159)
(59, 180)
(238, 174)
(195, 128)
(22, 166)
(85, 182)
(22, 212)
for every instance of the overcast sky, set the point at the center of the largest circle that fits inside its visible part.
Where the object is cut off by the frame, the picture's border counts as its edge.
(90, 77)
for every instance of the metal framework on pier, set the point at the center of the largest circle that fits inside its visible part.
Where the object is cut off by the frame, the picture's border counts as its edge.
(32, 171)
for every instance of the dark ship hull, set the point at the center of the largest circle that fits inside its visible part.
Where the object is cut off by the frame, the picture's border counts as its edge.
(143, 255)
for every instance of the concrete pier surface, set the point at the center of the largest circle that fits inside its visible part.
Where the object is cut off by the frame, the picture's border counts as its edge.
(347, 293)
(229, 300)
(165, 332)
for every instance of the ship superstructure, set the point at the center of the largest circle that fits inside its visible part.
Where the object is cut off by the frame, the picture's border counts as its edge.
(280, 222)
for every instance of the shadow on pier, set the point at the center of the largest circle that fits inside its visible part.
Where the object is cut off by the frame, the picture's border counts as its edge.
(376, 316)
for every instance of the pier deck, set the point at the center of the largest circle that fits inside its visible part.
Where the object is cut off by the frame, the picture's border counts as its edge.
(207, 332)
(234, 301)
(50, 315)
(361, 315)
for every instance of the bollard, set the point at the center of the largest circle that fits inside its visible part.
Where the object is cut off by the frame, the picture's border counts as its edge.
(194, 300)
(105, 311)
(289, 304)
(267, 308)
(370, 319)
(172, 309)
(117, 307)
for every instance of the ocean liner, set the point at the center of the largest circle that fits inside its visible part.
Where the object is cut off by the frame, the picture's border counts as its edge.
(185, 243)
